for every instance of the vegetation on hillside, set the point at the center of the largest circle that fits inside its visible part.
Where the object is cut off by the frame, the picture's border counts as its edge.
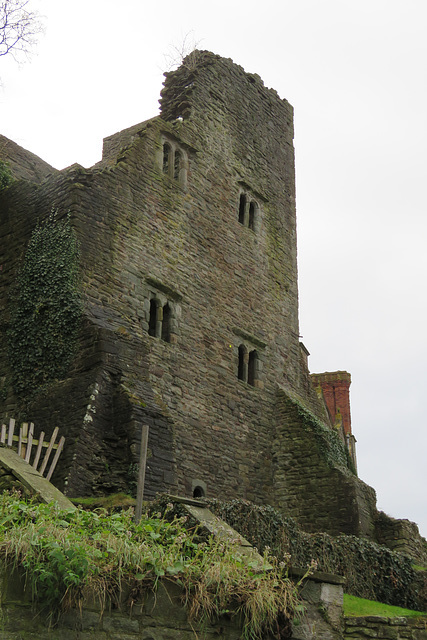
(69, 555)
(372, 571)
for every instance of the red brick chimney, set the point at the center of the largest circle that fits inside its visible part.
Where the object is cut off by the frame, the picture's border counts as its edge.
(336, 392)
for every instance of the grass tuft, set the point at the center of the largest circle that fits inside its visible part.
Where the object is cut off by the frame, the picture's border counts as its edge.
(69, 556)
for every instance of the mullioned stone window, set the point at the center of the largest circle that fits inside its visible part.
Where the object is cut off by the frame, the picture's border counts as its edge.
(159, 320)
(161, 312)
(248, 365)
(249, 352)
(174, 161)
(249, 211)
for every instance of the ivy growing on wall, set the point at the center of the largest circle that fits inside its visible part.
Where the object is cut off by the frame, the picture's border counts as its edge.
(5, 175)
(328, 441)
(372, 571)
(46, 308)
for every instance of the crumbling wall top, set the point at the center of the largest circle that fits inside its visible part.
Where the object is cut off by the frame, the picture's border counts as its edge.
(24, 164)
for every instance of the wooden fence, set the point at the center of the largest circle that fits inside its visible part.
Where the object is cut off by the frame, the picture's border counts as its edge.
(27, 445)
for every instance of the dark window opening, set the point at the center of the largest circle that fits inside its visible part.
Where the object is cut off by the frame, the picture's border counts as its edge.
(252, 209)
(241, 366)
(242, 208)
(166, 157)
(198, 492)
(166, 323)
(177, 165)
(253, 357)
(153, 318)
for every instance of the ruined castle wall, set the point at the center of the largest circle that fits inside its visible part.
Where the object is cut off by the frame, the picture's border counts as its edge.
(144, 235)
(401, 535)
(189, 286)
(90, 406)
(20, 207)
(23, 164)
(64, 405)
(226, 283)
(313, 482)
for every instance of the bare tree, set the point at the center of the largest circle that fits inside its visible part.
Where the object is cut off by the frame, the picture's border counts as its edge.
(19, 28)
(186, 50)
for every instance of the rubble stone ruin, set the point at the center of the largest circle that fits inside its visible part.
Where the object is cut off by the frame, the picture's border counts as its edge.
(187, 283)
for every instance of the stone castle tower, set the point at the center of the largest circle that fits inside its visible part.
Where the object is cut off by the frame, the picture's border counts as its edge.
(188, 266)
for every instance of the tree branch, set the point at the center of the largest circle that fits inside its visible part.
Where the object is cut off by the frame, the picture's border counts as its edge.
(19, 28)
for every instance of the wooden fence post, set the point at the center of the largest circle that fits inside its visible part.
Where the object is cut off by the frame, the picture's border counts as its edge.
(30, 442)
(141, 472)
(25, 441)
(11, 430)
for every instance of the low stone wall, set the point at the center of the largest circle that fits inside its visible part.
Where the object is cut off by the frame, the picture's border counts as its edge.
(389, 628)
(159, 615)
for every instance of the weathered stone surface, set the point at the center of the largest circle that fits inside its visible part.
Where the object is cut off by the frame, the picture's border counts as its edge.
(381, 627)
(23, 476)
(175, 237)
(23, 164)
(315, 625)
(311, 484)
(187, 230)
(401, 535)
(159, 615)
(222, 531)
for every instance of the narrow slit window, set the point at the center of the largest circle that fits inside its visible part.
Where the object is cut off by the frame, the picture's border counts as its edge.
(252, 210)
(177, 165)
(242, 208)
(153, 318)
(166, 323)
(167, 153)
(241, 364)
(252, 366)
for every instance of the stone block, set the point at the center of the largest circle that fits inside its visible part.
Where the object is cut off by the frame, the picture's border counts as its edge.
(119, 623)
(386, 631)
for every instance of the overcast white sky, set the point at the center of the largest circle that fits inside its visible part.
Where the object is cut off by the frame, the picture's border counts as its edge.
(356, 74)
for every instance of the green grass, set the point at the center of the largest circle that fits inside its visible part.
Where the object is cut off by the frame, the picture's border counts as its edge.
(355, 607)
(116, 500)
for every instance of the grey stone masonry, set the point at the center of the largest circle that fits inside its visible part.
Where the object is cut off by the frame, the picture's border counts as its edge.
(188, 265)
(387, 628)
(187, 231)
(154, 615)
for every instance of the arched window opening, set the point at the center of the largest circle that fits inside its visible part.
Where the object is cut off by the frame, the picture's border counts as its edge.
(166, 323)
(153, 318)
(241, 365)
(167, 154)
(177, 165)
(252, 210)
(198, 492)
(253, 357)
(242, 208)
